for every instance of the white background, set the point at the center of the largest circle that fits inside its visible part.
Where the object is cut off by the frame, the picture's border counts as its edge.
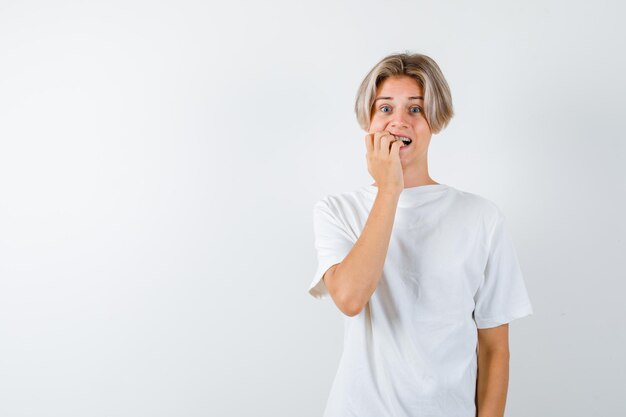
(159, 162)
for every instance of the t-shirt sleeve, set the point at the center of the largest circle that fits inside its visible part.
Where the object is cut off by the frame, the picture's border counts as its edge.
(502, 297)
(332, 243)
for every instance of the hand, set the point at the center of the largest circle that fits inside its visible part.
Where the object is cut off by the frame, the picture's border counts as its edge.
(383, 161)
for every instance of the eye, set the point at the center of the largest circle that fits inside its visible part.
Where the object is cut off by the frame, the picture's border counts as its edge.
(414, 109)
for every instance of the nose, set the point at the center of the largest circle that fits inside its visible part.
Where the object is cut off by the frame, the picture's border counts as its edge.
(399, 120)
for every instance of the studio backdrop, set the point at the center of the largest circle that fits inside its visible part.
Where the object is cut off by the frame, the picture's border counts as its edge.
(159, 164)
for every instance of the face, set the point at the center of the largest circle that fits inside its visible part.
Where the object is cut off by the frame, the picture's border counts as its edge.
(397, 111)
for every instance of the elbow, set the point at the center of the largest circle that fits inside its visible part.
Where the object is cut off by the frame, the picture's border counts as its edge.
(350, 307)
(344, 296)
(353, 310)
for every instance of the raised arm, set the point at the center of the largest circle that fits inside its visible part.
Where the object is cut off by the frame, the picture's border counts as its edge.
(352, 282)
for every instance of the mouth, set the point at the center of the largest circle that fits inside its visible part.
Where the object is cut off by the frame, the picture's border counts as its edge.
(405, 139)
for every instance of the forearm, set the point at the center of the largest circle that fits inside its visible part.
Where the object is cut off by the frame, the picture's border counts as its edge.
(360, 271)
(492, 383)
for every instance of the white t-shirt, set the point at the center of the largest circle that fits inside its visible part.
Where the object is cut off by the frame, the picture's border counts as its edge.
(451, 268)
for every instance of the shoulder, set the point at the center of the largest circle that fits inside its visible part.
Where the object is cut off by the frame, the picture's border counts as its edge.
(338, 203)
(478, 206)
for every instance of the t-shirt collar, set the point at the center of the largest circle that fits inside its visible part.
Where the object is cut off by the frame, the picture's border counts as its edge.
(411, 196)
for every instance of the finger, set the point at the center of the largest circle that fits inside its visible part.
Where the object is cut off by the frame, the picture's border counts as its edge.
(369, 142)
(376, 141)
(395, 148)
(385, 141)
(378, 136)
(392, 139)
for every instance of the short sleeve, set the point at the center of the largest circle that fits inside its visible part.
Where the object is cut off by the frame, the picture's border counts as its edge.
(332, 243)
(502, 297)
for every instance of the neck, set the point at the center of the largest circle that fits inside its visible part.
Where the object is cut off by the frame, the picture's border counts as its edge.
(416, 174)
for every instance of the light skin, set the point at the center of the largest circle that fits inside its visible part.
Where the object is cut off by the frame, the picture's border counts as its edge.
(396, 110)
(399, 108)
(493, 371)
(352, 282)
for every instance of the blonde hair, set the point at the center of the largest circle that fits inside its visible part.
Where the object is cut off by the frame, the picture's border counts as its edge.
(437, 99)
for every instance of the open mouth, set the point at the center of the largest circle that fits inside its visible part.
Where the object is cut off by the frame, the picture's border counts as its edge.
(406, 141)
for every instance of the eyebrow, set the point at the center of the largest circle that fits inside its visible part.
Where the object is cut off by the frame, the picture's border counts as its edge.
(391, 98)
